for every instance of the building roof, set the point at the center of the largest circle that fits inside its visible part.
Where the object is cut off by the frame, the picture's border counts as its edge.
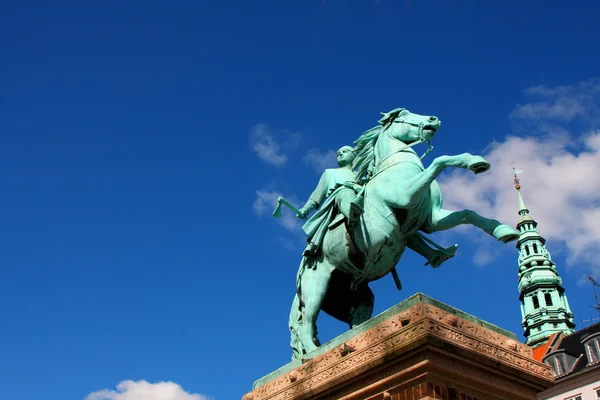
(540, 351)
(574, 346)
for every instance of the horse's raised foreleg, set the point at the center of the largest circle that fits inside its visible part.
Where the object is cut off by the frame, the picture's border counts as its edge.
(413, 188)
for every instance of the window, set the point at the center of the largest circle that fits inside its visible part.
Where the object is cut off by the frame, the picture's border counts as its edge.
(527, 250)
(548, 299)
(535, 248)
(560, 365)
(557, 362)
(593, 352)
(578, 397)
(597, 393)
(536, 302)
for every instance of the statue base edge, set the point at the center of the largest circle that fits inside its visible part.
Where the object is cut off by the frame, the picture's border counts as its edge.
(419, 344)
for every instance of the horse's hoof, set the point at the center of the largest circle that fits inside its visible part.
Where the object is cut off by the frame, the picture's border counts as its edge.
(505, 233)
(478, 164)
(443, 255)
(451, 251)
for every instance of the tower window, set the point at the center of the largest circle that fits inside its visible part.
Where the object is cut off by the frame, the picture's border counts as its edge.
(536, 302)
(527, 250)
(548, 299)
(535, 249)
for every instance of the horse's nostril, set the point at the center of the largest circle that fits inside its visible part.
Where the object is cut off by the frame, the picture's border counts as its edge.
(432, 118)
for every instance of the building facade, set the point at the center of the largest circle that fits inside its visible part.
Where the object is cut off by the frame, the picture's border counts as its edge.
(575, 361)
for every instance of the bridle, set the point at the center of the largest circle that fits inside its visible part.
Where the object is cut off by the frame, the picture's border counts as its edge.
(420, 140)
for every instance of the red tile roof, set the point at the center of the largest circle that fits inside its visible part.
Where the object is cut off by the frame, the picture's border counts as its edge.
(540, 351)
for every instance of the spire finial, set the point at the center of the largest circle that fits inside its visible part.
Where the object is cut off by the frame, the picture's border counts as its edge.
(522, 208)
(516, 178)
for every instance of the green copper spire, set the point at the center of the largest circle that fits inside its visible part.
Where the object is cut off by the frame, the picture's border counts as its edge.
(544, 306)
(523, 211)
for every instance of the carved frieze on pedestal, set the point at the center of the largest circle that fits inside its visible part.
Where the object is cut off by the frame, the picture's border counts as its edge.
(426, 350)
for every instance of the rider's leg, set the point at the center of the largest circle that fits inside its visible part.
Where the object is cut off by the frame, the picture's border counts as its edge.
(348, 205)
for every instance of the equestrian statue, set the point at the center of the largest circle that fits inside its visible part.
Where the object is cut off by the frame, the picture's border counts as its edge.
(377, 203)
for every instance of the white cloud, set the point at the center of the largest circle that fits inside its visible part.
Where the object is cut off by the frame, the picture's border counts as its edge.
(561, 103)
(271, 150)
(560, 182)
(142, 390)
(265, 203)
(320, 160)
(559, 186)
(266, 147)
(483, 256)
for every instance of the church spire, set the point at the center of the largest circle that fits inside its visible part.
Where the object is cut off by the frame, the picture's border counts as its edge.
(523, 210)
(544, 306)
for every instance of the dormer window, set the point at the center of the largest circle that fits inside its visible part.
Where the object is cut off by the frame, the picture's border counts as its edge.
(592, 350)
(561, 363)
(558, 364)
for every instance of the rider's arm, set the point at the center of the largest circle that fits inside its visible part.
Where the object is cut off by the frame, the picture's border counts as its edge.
(317, 197)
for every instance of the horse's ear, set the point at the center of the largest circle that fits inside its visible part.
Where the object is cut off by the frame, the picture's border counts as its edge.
(390, 116)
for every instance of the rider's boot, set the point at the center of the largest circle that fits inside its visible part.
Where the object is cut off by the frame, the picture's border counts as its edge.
(351, 206)
(356, 210)
(310, 250)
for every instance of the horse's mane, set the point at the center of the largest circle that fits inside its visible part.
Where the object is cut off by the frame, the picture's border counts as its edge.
(364, 147)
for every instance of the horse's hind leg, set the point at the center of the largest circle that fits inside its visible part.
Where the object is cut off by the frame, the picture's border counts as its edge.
(294, 323)
(442, 219)
(351, 306)
(313, 288)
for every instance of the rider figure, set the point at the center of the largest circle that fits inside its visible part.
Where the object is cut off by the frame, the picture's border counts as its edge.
(338, 187)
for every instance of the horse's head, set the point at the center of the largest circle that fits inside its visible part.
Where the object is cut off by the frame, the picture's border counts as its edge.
(409, 127)
(398, 124)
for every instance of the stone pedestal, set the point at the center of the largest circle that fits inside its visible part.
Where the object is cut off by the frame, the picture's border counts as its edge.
(418, 349)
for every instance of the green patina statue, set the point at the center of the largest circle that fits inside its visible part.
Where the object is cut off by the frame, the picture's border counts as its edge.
(339, 189)
(369, 210)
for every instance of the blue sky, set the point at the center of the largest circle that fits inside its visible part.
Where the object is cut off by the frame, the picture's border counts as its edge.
(139, 142)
